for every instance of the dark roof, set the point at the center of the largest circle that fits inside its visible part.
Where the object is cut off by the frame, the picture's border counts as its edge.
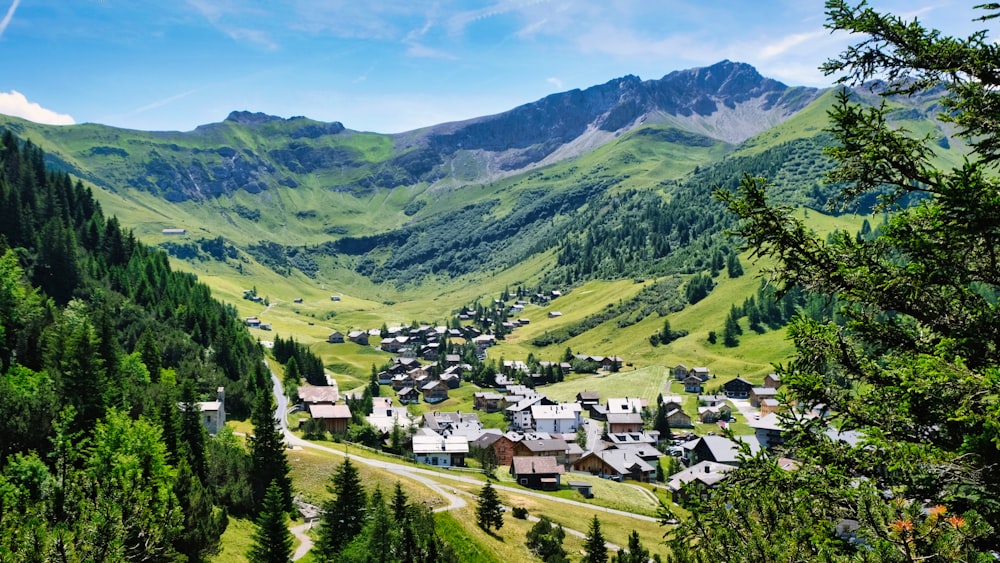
(535, 465)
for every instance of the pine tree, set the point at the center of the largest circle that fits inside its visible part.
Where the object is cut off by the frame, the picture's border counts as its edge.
(203, 524)
(268, 463)
(917, 342)
(399, 503)
(489, 511)
(635, 553)
(293, 378)
(272, 540)
(545, 541)
(192, 431)
(343, 515)
(595, 550)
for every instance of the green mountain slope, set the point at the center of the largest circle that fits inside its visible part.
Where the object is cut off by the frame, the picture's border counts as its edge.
(573, 189)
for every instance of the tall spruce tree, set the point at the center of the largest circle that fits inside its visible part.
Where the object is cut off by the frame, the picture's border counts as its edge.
(272, 540)
(594, 549)
(344, 514)
(489, 510)
(912, 370)
(268, 463)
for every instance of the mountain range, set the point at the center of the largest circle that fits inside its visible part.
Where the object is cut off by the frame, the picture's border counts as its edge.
(609, 182)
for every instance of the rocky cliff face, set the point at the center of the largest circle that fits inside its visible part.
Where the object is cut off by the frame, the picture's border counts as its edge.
(727, 101)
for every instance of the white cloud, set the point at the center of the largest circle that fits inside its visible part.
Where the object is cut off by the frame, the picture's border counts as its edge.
(14, 103)
(555, 82)
(785, 44)
(8, 16)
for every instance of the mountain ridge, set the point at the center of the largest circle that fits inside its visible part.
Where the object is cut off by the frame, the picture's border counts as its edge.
(254, 152)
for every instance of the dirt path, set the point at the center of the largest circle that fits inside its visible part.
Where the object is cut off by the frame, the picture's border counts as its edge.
(307, 543)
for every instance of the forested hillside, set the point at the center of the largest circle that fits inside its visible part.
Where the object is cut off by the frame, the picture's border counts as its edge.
(104, 351)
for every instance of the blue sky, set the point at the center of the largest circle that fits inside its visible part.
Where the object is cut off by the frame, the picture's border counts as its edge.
(385, 66)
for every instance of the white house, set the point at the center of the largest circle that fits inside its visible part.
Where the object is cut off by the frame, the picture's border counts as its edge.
(557, 419)
(213, 413)
(433, 449)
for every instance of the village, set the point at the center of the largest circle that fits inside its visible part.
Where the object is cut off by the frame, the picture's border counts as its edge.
(542, 442)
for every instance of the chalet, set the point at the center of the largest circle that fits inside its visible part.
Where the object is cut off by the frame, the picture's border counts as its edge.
(408, 395)
(758, 394)
(384, 378)
(297, 300)
(430, 351)
(720, 450)
(336, 337)
(554, 314)
(265, 326)
(394, 344)
(523, 321)
(737, 388)
(451, 379)
(519, 414)
(610, 363)
(624, 422)
(598, 412)
(310, 395)
(431, 449)
(646, 452)
(452, 359)
(680, 372)
(434, 392)
(677, 418)
(588, 398)
(213, 413)
(401, 381)
(535, 447)
(334, 418)
(698, 479)
(487, 401)
(772, 380)
(671, 402)
(558, 419)
(617, 465)
(711, 415)
(712, 400)
(692, 384)
(768, 406)
(627, 405)
(252, 322)
(704, 373)
(358, 337)
(503, 447)
(484, 341)
(442, 421)
(650, 438)
(541, 472)
(385, 416)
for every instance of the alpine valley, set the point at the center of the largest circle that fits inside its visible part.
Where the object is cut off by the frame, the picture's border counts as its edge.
(604, 195)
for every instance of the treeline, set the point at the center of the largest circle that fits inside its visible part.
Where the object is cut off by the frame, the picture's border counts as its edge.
(309, 365)
(104, 352)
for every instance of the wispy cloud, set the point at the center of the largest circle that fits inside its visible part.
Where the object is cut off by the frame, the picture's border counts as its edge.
(16, 104)
(160, 103)
(423, 51)
(555, 82)
(789, 42)
(8, 16)
(218, 15)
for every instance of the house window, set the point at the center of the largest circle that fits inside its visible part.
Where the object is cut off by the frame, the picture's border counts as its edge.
(524, 481)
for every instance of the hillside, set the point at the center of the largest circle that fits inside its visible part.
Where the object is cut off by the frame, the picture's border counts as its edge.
(608, 183)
